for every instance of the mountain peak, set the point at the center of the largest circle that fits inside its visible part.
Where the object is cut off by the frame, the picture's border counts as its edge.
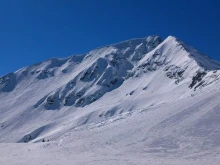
(149, 95)
(186, 52)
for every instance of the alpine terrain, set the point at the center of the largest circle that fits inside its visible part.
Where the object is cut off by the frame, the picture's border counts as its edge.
(143, 101)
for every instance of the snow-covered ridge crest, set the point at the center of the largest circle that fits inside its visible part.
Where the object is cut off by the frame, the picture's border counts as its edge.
(105, 69)
(202, 60)
(179, 53)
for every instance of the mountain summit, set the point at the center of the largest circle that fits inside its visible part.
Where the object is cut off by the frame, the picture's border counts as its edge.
(160, 94)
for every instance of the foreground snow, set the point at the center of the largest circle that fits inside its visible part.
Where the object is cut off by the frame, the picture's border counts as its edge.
(181, 133)
(143, 101)
(35, 154)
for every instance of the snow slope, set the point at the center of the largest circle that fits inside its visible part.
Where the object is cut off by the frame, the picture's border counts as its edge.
(140, 101)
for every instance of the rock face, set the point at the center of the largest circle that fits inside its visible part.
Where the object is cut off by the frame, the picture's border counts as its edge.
(8, 82)
(110, 84)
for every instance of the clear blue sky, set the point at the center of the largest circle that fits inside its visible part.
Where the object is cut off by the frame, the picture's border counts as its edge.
(35, 30)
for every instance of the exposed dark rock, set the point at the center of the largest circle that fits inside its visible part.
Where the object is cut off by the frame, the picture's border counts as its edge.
(174, 72)
(197, 78)
(8, 82)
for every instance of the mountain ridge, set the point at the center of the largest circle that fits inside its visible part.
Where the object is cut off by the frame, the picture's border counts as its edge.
(153, 93)
(117, 44)
(120, 61)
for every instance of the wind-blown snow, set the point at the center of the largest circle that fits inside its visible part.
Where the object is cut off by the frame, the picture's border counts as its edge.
(140, 101)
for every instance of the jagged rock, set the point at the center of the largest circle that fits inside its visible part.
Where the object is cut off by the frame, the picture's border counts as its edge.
(197, 78)
(8, 82)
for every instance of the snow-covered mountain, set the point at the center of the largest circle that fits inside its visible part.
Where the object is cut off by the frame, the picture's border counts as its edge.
(142, 97)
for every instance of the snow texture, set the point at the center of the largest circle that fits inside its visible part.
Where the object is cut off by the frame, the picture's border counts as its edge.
(141, 101)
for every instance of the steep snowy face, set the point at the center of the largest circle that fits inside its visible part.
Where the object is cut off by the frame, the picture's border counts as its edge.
(179, 62)
(120, 77)
(143, 96)
(80, 80)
